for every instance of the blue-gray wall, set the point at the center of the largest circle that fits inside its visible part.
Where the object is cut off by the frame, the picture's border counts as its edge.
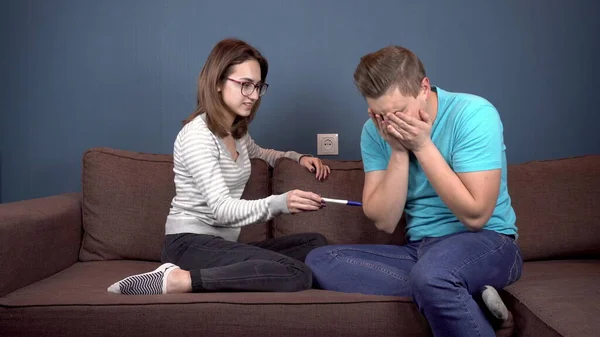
(77, 74)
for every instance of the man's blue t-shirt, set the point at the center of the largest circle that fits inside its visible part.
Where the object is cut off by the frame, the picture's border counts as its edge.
(468, 133)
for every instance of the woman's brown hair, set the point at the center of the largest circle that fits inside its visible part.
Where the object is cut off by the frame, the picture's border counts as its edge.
(224, 56)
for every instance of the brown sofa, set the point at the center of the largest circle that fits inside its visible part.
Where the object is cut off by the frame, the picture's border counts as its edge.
(59, 254)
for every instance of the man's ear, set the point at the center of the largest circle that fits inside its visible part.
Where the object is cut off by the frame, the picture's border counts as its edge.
(425, 88)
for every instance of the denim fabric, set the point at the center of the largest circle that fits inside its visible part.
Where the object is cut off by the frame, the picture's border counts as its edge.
(443, 275)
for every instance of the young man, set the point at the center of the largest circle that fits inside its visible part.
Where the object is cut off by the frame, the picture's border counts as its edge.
(439, 157)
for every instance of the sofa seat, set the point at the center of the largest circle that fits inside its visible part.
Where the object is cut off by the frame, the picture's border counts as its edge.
(78, 295)
(557, 298)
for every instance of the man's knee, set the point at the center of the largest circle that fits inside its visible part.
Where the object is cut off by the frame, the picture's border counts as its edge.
(315, 258)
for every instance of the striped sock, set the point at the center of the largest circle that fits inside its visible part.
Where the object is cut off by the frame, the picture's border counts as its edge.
(152, 283)
(494, 303)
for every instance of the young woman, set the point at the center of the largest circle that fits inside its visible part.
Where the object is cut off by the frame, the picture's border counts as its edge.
(211, 158)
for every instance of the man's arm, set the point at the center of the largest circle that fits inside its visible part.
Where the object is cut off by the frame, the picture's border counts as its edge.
(384, 192)
(470, 188)
(386, 181)
(471, 196)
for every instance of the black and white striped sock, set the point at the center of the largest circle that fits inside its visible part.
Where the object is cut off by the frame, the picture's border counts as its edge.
(151, 283)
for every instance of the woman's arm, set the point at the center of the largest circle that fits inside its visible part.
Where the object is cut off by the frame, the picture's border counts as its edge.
(268, 155)
(198, 152)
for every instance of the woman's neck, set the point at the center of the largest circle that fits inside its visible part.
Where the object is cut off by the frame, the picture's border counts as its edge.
(228, 123)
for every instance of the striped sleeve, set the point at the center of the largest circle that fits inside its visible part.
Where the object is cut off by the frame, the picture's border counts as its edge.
(268, 155)
(198, 151)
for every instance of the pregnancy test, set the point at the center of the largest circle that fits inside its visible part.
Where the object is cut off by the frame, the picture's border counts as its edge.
(342, 202)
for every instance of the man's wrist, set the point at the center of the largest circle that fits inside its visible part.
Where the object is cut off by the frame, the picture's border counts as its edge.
(398, 158)
(399, 153)
(425, 148)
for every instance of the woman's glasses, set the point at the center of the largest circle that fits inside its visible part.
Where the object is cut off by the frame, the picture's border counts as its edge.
(249, 87)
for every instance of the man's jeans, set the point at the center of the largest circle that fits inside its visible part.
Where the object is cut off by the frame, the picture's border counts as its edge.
(444, 275)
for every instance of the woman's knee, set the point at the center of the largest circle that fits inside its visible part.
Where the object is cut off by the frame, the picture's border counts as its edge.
(317, 239)
(301, 274)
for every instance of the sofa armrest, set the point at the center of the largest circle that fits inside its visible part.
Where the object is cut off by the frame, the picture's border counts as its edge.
(38, 238)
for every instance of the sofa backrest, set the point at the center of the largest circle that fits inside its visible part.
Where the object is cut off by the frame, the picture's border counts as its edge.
(340, 224)
(557, 203)
(127, 196)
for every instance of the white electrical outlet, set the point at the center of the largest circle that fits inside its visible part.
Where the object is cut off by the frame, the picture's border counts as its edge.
(327, 144)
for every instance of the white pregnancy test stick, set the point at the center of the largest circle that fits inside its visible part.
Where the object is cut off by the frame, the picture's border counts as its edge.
(342, 202)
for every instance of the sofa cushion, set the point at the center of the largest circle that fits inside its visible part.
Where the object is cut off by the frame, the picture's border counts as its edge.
(558, 207)
(556, 298)
(340, 224)
(77, 298)
(126, 198)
